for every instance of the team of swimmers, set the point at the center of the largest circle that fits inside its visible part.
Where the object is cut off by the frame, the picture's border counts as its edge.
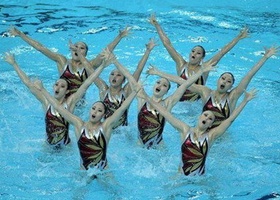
(76, 74)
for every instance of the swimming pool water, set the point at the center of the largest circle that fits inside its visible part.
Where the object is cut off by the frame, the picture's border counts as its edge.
(242, 164)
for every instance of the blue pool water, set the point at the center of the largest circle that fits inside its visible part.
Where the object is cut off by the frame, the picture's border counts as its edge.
(243, 164)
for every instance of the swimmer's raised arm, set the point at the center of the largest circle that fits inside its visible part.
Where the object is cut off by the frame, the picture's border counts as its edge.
(98, 59)
(216, 58)
(175, 97)
(125, 72)
(9, 58)
(143, 61)
(58, 58)
(219, 130)
(237, 91)
(179, 60)
(152, 70)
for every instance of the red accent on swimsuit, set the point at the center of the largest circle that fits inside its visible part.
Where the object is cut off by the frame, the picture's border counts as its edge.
(188, 95)
(74, 79)
(56, 129)
(112, 106)
(194, 156)
(221, 113)
(93, 150)
(150, 126)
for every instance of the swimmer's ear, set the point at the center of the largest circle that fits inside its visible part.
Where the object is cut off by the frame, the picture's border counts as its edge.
(67, 91)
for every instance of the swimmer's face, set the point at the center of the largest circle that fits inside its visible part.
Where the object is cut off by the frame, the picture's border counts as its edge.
(161, 87)
(82, 47)
(225, 82)
(97, 112)
(116, 78)
(60, 88)
(206, 120)
(196, 55)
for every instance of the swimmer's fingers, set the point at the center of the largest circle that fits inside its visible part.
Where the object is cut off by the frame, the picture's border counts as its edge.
(105, 53)
(244, 33)
(276, 48)
(9, 57)
(151, 70)
(8, 54)
(13, 31)
(271, 51)
(251, 94)
(71, 45)
(254, 93)
(107, 56)
(213, 68)
(125, 32)
(152, 19)
(209, 67)
(152, 43)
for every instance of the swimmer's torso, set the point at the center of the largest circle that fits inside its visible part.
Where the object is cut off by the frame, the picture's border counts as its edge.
(220, 109)
(194, 154)
(93, 149)
(188, 95)
(150, 126)
(74, 78)
(57, 128)
(113, 103)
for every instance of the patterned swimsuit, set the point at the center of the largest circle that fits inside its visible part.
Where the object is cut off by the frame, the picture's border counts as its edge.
(93, 149)
(188, 95)
(221, 110)
(57, 128)
(150, 126)
(194, 154)
(113, 103)
(74, 78)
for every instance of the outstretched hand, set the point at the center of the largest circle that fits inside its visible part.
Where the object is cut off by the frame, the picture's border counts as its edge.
(152, 43)
(153, 19)
(125, 32)
(10, 58)
(207, 67)
(108, 57)
(244, 33)
(271, 51)
(250, 95)
(13, 31)
(72, 47)
(152, 70)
